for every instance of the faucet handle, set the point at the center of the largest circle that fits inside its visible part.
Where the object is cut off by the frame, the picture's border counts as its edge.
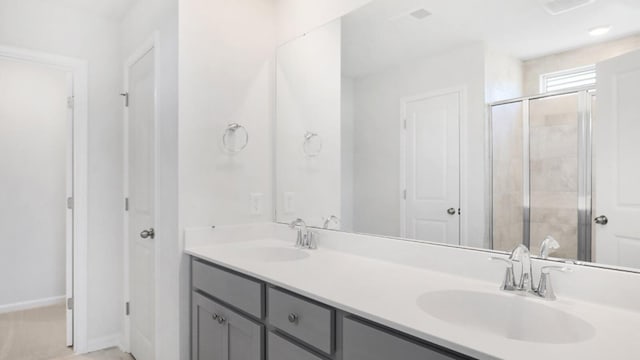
(509, 282)
(545, 290)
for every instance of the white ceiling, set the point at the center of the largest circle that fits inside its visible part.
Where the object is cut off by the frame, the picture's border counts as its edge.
(381, 35)
(110, 9)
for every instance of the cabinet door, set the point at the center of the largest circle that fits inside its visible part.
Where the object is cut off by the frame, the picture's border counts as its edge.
(364, 342)
(222, 334)
(208, 335)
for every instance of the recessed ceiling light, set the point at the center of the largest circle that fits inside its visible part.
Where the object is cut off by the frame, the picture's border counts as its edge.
(599, 30)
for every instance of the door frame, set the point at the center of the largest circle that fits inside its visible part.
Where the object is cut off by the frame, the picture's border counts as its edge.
(78, 68)
(462, 144)
(151, 43)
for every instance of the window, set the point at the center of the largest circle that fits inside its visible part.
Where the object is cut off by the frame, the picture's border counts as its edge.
(567, 79)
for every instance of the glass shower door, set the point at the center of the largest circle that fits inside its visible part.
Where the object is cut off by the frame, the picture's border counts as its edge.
(553, 159)
(541, 173)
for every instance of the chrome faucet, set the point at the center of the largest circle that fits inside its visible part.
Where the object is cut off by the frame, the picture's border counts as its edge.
(305, 238)
(522, 256)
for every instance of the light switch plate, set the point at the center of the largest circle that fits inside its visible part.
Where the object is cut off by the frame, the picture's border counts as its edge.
(289, 203)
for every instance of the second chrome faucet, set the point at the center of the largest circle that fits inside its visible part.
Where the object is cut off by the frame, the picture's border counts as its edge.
(521, 256)
(305, 237)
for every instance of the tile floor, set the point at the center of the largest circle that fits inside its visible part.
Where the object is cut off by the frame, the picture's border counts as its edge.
(39, 334)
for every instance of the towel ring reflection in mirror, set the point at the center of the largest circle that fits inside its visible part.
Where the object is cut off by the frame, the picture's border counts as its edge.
(235, 138)
(312, 145)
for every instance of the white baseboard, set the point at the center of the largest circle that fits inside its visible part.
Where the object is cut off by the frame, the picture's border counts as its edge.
(31, 304)
(103, 342)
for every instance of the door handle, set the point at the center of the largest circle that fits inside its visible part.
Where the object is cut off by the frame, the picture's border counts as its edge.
(451, 211)
(601, 220)
(148, 234)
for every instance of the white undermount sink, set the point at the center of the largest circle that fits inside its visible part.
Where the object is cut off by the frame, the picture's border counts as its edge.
(272, 254)
(507, 315)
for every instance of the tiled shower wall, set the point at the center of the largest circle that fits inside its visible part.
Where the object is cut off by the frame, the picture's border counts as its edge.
(554, 173)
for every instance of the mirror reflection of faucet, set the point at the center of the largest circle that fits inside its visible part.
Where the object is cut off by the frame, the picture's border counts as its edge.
(521, 256)
(331, 219)
(305, 237)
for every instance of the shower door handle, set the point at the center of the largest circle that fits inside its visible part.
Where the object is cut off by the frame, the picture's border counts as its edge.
(601, 220)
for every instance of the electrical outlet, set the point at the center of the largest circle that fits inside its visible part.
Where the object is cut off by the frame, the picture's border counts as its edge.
(289, 203)
(256, 203)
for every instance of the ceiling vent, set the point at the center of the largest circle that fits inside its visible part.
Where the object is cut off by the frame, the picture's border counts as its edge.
(556, 7)
(416, 14)
(420, 14)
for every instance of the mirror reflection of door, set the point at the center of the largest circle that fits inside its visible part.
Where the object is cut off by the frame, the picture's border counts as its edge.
(616, 170)
(432, 168)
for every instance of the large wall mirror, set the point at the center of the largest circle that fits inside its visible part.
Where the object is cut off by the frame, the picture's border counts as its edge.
(481, 125)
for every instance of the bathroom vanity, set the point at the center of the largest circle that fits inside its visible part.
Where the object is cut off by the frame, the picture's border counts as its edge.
(356, 297)
(238, 317)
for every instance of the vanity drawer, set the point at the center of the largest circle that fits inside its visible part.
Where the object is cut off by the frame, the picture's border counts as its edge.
(302, 319)
(361, 341)
(281, 349)
(238, 291)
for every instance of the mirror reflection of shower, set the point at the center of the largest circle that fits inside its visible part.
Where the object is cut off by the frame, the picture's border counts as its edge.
(541, 172)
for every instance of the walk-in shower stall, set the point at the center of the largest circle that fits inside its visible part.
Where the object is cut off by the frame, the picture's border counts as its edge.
(540, 172)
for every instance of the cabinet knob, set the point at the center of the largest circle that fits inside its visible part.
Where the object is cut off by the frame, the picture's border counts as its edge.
(221, 320)
(215, 316)
(293, 318)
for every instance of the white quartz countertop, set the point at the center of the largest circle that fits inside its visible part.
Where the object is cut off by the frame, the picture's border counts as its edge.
(387, 293)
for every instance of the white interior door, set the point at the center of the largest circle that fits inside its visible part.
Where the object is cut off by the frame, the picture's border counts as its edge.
(433, 168)
(141, 184)
(69, 214)
(616, 133)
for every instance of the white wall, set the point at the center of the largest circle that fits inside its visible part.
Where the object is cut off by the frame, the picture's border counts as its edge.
(377, 139)
(504, 76)
(296, 17)
(33, 158)
(226, 75)
(45, 26)
(347, 123)
(308, 100)
(143, 20)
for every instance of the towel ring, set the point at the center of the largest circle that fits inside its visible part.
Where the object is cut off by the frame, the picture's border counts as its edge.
(312, 145)
(235, 138)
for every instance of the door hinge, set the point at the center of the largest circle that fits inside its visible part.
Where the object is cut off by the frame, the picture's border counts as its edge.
(404, 194)
(70, 304)
(404, 123)
(70, 102)
(126, 308)
(126, 204)
(126, 98)
(70, 203)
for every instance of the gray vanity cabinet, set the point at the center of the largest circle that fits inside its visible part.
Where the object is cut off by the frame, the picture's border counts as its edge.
(222, 334)
(236, 317)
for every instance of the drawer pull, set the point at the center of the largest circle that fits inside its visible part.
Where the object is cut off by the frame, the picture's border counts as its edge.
(293, 318)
